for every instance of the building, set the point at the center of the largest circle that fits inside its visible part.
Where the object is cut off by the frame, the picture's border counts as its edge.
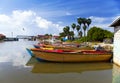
(43, 37)
(116, 50)
(2, 36)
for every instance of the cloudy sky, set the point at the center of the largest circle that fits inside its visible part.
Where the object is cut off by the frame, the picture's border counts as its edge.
(33, 17)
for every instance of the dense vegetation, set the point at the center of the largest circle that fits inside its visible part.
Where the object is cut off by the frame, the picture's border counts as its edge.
(98, 34)
(85, 34)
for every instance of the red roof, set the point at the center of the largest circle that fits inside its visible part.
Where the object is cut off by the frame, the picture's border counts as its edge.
(1, 35)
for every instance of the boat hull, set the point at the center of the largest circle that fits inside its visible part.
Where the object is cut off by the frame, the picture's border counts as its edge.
(71, 57)
(30, 52)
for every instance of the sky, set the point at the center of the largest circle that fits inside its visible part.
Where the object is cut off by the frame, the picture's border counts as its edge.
(33, 17)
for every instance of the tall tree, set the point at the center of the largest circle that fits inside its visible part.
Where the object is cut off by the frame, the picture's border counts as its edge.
(84, 28)
(73, 26)
(88, 22)
(79, 20)
(84, 21)
(66, 30)
(71, 33)
(78, 28)
(80, 33)
(62, 34)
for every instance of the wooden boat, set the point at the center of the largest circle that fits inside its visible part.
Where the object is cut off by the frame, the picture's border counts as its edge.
(43, 45)
(30, 52)
(42, 48)
(71, 56)
(45, 67)
(63, 47)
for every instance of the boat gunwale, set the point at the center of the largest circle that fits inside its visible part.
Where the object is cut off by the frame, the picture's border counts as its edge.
(76, 52)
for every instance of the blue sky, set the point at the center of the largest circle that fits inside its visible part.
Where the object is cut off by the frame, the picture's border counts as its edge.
(33, 17)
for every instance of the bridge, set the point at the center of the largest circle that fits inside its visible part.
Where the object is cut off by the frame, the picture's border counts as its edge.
(26, 37)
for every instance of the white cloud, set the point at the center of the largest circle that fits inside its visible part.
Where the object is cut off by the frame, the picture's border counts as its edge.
(103, 22)
(26, 23)
(97, 19)
(43, 23)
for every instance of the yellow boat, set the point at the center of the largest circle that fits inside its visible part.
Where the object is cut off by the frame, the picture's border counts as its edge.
(63, 47)
(71, 56)
(45, 48)
(42, 48)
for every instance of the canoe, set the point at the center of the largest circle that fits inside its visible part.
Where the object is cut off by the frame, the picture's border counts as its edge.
(71, 56)
(43, 45)
(30, 52)
(63, 47)
(42, 48)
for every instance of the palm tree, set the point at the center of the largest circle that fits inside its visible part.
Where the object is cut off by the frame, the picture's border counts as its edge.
(80, 33)
(73, 26)
(71, 33)
(78, 28)
(84, 28)
(62, 34)
(66, 31)
(88, 22)
(79, 20)
(82, 21)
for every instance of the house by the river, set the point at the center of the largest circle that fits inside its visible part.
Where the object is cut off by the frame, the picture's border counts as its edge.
(116, 50)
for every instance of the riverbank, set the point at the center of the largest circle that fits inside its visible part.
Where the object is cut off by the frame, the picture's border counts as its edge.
(108, 47)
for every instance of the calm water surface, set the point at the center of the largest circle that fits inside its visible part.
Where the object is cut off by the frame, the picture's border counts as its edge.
(17, 66)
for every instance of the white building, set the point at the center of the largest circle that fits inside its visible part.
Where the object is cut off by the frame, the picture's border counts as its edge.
(116, 50)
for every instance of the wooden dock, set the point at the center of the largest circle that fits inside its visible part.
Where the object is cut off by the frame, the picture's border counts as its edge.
(11, 39)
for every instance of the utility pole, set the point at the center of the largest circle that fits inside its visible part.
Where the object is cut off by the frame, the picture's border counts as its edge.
(12, 34)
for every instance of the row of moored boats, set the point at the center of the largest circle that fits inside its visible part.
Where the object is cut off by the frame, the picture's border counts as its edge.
(68, 53)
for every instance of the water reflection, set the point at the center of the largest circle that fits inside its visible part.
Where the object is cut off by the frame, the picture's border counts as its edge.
(49, 67)
(14, 52)
(116, 74)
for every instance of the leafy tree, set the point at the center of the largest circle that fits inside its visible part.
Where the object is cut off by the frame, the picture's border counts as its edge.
(67, 32)
(108, 34)
(46, 34)
(98, 34)
(62, 34)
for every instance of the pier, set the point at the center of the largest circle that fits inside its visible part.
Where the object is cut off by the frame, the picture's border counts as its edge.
(11, 39)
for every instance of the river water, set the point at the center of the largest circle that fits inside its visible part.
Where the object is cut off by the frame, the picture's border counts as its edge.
(17, 66)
